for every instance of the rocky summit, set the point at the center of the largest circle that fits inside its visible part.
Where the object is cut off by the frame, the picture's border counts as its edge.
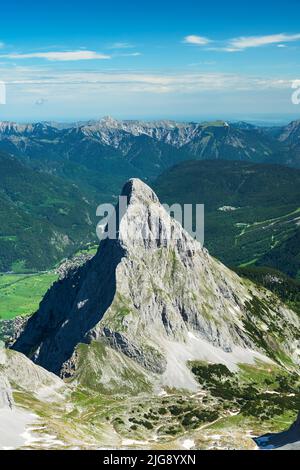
(154, 300)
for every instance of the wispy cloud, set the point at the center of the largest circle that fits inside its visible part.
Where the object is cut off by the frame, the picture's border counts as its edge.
(246, 42)
(59, 56)
(197, 40)
(51, 83)
(129, 54)
(121, 45)
(242, 43)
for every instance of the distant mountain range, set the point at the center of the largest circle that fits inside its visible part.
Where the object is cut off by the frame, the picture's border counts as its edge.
(89, 161)
(139, 148)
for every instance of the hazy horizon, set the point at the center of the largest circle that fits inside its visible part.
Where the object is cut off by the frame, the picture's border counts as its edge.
(261, 119)
(174, 61)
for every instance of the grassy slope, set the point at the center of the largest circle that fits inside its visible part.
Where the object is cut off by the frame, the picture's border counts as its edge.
(20, 294)
(285, 256)
(286, 288)
(42, 218)
(228, 409)
(266, 199)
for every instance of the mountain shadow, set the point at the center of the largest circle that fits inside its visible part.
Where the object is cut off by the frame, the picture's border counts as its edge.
(70, 309)
(289, 439)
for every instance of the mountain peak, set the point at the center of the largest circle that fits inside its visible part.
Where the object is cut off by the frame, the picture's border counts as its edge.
(136, 189)
(145, 224)
(109, 121)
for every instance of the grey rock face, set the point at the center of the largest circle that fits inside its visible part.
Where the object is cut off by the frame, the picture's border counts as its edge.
(17, 372)
(6, 398)
(123, 138)
(154, 363)
(155, 295)
(10, 329)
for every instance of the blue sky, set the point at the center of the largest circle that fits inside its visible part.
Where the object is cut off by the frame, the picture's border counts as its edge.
(180, 60)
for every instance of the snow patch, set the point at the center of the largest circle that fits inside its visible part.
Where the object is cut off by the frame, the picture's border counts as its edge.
(178, 374)
(188, 444)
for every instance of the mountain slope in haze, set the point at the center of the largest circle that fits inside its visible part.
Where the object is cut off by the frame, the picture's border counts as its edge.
(290, 137)
(208, 140)
(104, 150)
(221, 140)
(250, 210)
(42, 218)
(135, 148)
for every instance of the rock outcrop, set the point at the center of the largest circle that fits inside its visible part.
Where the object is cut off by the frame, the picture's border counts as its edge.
(155, 295)
(6, 398)
(17, 372)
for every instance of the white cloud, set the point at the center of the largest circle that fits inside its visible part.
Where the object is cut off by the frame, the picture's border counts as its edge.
(51, 83)
(121, 45)
(130, 54)
(59, 56)
(243, 42)
(239, 44)
(197, 40)
(222, 49)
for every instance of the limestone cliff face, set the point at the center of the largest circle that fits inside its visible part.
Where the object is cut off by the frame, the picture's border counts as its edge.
(17, 372)
(156, 296)
(6, 398)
